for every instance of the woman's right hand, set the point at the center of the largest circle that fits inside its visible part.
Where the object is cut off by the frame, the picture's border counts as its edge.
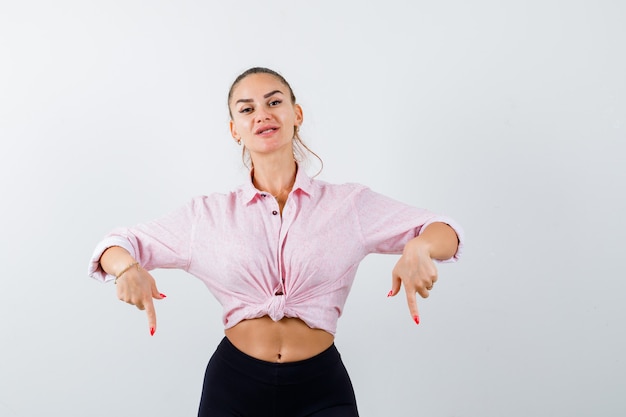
(135, 285)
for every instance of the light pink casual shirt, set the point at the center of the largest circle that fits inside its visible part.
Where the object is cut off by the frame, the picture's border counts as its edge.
(257, 263)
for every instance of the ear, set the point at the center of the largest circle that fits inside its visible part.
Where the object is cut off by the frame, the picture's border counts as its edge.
(299, 114)
(233, 131)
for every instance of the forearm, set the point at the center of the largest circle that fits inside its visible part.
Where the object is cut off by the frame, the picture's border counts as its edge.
(115, 259)
(439, 239)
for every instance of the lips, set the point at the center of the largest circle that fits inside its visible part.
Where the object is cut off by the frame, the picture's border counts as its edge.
(267, 129)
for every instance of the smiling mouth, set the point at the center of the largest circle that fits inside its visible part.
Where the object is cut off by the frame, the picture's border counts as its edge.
(268, 130)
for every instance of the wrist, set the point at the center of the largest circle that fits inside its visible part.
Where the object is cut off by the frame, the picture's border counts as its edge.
(115, 259)
(134, 264)
(418, 245)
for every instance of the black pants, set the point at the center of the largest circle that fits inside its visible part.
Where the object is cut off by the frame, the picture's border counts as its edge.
(236, 384)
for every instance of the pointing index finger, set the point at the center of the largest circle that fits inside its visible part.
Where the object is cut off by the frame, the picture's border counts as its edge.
(151, 313)
(412, 302)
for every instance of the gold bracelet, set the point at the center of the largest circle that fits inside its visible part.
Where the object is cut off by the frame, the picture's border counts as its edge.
(126, 269)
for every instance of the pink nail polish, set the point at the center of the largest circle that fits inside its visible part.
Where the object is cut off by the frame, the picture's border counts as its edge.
(151, 331)
(416, 319)
(163, 295)
(390, 293)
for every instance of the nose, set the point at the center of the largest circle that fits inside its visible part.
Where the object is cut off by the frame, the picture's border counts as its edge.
(262, 115)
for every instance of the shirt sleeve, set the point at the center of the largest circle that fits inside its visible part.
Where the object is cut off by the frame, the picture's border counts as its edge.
(162, 243)
(387, 224)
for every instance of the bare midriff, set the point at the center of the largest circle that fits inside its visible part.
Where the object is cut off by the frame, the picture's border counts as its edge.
(286, 340)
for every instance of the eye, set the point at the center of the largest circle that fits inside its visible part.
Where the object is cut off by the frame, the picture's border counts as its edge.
(274, 103)
(245, 110)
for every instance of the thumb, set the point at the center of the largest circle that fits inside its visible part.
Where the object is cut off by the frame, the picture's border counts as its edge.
(156, 294)
(396, 282)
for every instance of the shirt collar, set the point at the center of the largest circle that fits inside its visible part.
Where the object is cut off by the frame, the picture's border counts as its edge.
(302, 183)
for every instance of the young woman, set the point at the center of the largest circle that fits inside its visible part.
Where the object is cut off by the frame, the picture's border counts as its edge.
(280, 254)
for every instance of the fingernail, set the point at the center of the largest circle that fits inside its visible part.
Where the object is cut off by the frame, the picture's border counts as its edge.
(390, 293)
(163, 295)
(416, 319)
(151, 331)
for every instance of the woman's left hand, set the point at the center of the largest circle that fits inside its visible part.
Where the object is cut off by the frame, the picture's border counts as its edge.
(417, 271)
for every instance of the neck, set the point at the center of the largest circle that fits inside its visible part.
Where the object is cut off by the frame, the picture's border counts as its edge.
(275, 177)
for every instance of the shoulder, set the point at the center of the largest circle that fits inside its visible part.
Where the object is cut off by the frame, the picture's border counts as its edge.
(343, 189)
(203, 202)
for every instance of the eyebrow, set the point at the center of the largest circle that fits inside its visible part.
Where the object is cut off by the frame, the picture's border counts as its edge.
(249, 100)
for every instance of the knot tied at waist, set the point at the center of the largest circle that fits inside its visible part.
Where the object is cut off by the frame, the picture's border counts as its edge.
(275, 306)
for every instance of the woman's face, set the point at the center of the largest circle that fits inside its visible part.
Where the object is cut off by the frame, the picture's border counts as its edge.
(264, 118)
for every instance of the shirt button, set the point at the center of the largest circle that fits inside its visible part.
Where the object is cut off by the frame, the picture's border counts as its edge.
(274, 212)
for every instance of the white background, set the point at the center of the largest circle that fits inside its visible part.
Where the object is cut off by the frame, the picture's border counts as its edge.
(508, 116)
